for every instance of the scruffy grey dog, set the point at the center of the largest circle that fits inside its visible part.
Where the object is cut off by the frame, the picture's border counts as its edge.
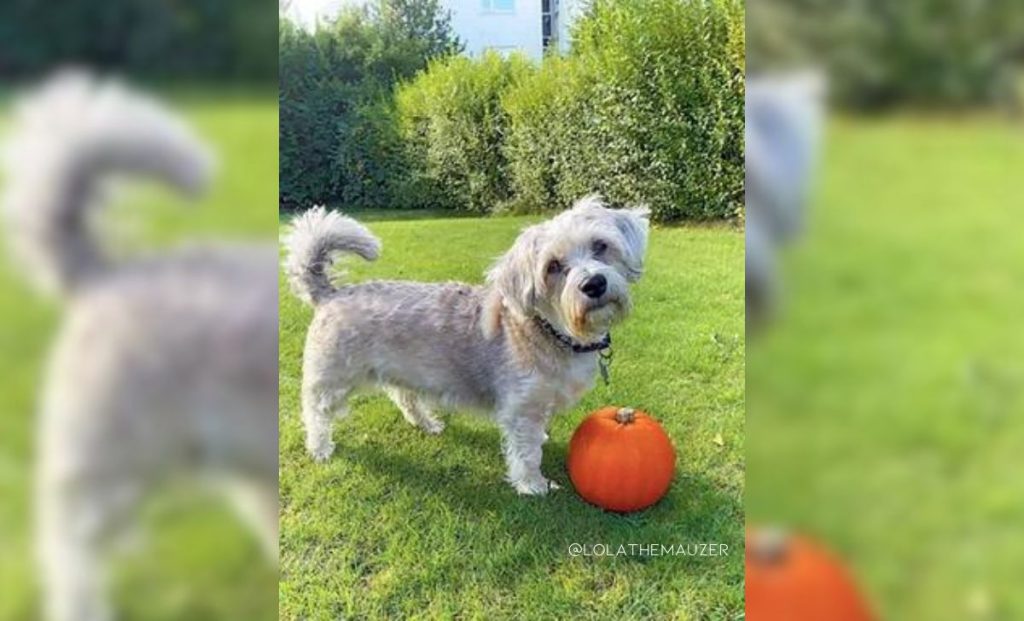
(164, 365)
(522, 346)
(783, 114)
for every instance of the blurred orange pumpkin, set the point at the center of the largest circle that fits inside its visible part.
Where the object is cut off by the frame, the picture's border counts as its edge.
(792, 578)
(620, 459)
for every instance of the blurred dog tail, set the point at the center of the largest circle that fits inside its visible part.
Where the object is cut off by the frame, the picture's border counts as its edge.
(315, 239)
(65, 139)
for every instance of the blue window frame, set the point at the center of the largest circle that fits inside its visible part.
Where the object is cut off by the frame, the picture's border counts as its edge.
(502, 6)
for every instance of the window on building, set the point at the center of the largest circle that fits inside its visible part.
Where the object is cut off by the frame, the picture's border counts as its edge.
(549, 15)
(502, 6)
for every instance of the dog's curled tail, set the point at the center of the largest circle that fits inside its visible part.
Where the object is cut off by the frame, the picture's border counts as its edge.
(65, 138)
(312, 243)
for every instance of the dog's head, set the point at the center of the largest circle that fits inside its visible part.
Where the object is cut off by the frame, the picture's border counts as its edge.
(573, 270)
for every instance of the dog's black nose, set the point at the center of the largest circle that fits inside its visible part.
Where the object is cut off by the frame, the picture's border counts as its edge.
(595, 286)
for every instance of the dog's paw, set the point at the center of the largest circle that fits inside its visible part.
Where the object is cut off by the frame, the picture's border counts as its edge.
(433, 426)
(322, 452)
(534, 486)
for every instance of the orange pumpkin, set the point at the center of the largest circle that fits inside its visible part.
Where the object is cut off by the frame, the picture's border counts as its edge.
(792, 578)
(620, 459)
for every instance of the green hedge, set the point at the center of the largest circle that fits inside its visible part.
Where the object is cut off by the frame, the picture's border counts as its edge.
(163, 40)
(453, 126)
(647, 109)
(542, 112)
(339, 137)
(881, 54)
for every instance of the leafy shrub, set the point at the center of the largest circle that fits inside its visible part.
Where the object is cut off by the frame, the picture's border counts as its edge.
(197, 40)
(542, 112)
(648, 108)
(338, 130)
(308, 104)
(930, 53)
(370, 164)
(453, 125)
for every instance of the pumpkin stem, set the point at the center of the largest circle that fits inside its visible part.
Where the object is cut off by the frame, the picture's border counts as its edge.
(770, 545)
(625, 416)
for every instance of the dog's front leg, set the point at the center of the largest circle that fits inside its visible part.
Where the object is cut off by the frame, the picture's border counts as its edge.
(524, 432)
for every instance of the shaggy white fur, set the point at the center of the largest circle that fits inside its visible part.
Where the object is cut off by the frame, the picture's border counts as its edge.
(164, 365)
(462, 346)
(784, 116)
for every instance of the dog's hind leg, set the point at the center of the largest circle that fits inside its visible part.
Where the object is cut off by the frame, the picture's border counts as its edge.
(415, 409)
(320, 405)
(96, 459)
(257, 505)
(75, 519)
(84, 503)
(429, 421)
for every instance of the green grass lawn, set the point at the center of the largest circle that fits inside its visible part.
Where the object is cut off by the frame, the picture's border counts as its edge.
(885, 408)
(399, 524)
(196, 561)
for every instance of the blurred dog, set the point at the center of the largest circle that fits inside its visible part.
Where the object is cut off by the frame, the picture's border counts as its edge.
(163, 365)
(783, 123)
(523, 346)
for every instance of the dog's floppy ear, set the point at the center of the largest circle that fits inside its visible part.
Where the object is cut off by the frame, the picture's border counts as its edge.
(633, 225)
(512, 279)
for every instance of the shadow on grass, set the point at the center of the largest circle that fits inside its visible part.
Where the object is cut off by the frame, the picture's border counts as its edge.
(540, 529)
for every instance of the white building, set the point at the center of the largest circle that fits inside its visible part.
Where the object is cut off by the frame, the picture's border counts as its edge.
(527, 26)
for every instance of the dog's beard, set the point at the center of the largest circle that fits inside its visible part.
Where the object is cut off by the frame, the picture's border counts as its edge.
(587, 319)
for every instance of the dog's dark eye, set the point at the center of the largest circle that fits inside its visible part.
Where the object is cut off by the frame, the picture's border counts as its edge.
(599, 247)
(554, 267)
